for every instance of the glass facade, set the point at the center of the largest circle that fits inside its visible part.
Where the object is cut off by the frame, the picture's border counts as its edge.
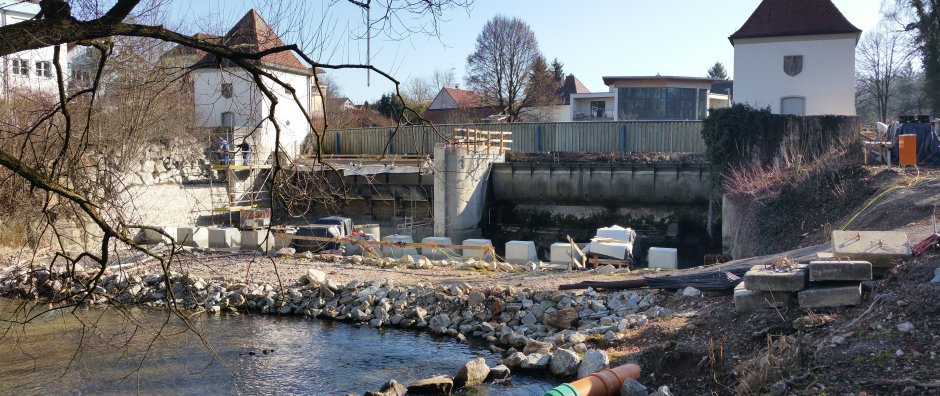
(662, 103)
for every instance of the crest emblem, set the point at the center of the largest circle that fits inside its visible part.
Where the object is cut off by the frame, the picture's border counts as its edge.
(793, 64)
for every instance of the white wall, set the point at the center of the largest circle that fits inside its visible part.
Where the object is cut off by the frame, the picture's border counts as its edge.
(827, 80)
(19, 12)
(556, 113)
(250, 106)
(583, 106)
(442, 101)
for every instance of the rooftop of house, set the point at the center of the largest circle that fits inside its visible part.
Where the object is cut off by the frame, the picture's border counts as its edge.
(252, 34)
(463, 97)
(20, 6)
(571, 86)
(658, 80)
(776, 18)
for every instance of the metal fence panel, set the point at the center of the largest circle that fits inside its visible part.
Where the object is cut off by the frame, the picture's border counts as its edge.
(628, 136)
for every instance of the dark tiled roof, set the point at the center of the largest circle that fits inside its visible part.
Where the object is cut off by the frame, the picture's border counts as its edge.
(572, 86)
(253, 34)
(774, 18)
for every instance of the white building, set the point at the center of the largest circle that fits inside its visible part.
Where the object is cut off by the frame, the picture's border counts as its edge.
(28, 72)
(796, 57)
(649, 98)
(227, 96)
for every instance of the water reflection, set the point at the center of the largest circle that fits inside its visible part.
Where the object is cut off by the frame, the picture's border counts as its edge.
(124, 353)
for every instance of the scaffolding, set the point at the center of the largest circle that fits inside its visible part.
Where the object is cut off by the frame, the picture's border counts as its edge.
(245, 176)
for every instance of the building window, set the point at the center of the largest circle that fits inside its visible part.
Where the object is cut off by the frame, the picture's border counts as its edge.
(793, 105)
(598, 108)
(19, 66)
(44, 69)
(81, 76)
(662, 103)
(226, 90)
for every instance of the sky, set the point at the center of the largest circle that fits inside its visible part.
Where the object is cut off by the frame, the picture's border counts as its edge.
(592, 38)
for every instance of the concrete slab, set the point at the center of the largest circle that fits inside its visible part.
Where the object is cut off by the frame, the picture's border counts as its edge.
(880, 248)
(831, 296)
(750, 300)
(665, 258)
(437, 254)
(154, 237)
(398, 252)
(224, 238)
(257, 239)
(477, 254)
(521, 252)
(560, 253)
(761, 278)
(192, 236)
(824, 271)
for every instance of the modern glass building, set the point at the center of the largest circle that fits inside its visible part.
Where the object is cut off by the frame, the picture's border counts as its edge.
(662, 103)
(651, 98)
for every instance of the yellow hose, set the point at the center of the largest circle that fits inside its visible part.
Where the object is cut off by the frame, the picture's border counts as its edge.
(917, 179)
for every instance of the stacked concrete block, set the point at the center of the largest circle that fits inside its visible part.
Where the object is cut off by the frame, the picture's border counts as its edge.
(880, 248)
(665, 258)
(560, 253)
(751, 300)
(257, 239)
(438, 253)
(398, 252)
(192, 236)
(224, 238)
(477, 254)
(521, 252)
(765, 287)
(282, 239)
(835, 283)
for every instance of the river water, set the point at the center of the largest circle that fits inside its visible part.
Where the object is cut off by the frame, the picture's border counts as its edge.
(122, 353)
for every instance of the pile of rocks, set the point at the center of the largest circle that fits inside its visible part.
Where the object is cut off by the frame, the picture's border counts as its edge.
(409, 261)
(529, 327)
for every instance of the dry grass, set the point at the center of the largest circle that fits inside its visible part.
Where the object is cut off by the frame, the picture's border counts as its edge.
(778, 361)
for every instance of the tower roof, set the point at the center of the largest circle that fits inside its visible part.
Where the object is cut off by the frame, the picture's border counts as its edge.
(775, 18)
(252, 34)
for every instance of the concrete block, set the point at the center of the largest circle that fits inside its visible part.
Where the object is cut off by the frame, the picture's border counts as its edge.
(521, 252)
(823, 271)
(224, 238)
(477, 254)
(560, 253)
(750, 300)
(282, 239)
(398, 252)
(257, 239)
(831, 296)
(761, 278)
(666, 258)
(193, 236)
(437, 254)
(154, 237)
(880, 248)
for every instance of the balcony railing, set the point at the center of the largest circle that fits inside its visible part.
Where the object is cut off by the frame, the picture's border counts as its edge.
(596, 115)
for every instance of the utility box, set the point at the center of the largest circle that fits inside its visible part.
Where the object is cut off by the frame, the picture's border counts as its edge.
(907, 150)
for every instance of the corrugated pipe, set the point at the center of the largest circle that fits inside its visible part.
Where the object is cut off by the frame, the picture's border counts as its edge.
(606, 382)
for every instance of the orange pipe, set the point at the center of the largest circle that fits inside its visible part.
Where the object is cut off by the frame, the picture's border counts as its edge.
(606, 382)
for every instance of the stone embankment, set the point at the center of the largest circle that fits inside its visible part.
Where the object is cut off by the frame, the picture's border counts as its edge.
(536, 331)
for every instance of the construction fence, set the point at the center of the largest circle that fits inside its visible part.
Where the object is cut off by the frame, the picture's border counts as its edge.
(616, 136)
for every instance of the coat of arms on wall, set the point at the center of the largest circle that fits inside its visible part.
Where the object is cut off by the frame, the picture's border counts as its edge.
(793, 64)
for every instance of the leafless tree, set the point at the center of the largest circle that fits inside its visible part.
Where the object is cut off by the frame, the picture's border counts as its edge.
(500, 66)
(882, 54)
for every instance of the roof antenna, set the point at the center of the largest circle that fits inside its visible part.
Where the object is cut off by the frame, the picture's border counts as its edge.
(368, 44)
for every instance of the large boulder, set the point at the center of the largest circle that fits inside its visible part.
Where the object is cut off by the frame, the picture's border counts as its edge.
(564, 363)
(434, 386)
(497, 373)
(391, 388)
(472, 373)
(594, 361)
(313, 277)
(631, 387)
(536, 346)
(514, 360)
(562, 319)
(535, 362)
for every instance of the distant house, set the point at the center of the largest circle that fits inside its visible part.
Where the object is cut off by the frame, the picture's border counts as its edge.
(30, 71)
(796, 57)
(342, 104)
(649, 98)
(226, 95)
(454, 105)
(570, 85)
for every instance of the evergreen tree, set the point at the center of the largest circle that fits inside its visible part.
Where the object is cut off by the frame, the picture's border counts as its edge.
(718, 71)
